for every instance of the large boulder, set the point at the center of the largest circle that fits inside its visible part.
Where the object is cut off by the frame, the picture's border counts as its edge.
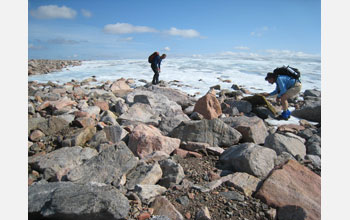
(107, 167)
(214, 132)
(65, 200)
(249, 158)
(58, 163)
(293, 185)
(241, 105)
(208, 106)
(283, 143)
(119, 86)
(309, 111)
(140, 112)
(181, 98)
(252, 129)
(144, 140)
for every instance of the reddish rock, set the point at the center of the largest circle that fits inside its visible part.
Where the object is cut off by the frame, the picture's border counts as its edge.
(85, 122)
(143, 216)
(194, 154)
(195, 146)
(293, 185)
(180, 152)
(103, 105)
(36, 135)
(43, 106)
(208, 106)
(188, 215)
(62, 103)
(145, 139)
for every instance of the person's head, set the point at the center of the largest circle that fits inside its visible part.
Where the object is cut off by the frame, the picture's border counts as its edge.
(163, 56)
(271, 78)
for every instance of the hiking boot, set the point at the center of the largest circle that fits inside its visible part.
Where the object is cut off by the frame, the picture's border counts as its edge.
(284, 116)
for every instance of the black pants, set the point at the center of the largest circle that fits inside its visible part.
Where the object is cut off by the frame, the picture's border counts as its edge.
(156, 74)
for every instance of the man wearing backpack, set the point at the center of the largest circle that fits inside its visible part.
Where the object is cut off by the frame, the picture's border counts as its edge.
(286, 87)
(155, 61)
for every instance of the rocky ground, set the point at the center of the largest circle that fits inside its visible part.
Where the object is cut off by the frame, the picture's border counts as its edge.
(37, 67)
(114, 151)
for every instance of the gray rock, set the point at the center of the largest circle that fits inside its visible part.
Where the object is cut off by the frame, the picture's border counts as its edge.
(147, 193)
(172, 173)
(312, 92)
(183, 200)
(120, 107)
(242, 106)
(314, 139)
(310, 111)
(144, 174)
(214, 132)
(167, 124)
(313, 149)
(283, 158)
(67, 117)
(249, 158)
(316, 160)
(33, 123)
(263, 112)
(107, 167)
(196, 116)
(31, 108)
(291, 212)
(65, 200)
(98, 139)
(181, 98)
(252, 129)
(58, 163)
(282, 143)
(140, 112)
(233, 195)
(115, 133)
(306, 133)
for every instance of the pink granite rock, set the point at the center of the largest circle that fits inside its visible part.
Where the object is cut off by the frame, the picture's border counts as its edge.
(145, 139)
(293, 185)
(208, 106)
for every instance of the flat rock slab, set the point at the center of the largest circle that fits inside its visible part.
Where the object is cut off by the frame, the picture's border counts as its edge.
(293, 185)
(65, 200)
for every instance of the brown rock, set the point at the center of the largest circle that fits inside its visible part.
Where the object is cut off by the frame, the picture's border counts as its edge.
(36, 135)
(120, 85)
(181, 152)
(291, 128)
(293, 185)
(208, 106)
(145, 139)
(103, 105)
(84, 122)
(162, 206)
(194, 154)
(244, 182)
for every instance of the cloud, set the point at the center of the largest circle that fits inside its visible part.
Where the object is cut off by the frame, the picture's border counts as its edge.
(167, 48)
(53, 12)
(260, 31)
(242, 48)
(124, 28)
(189, 33)
(35, 47)
(86, 13)
(289, 54)
(60, 40)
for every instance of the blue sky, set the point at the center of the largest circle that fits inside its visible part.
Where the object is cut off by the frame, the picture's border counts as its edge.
(113, 29)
